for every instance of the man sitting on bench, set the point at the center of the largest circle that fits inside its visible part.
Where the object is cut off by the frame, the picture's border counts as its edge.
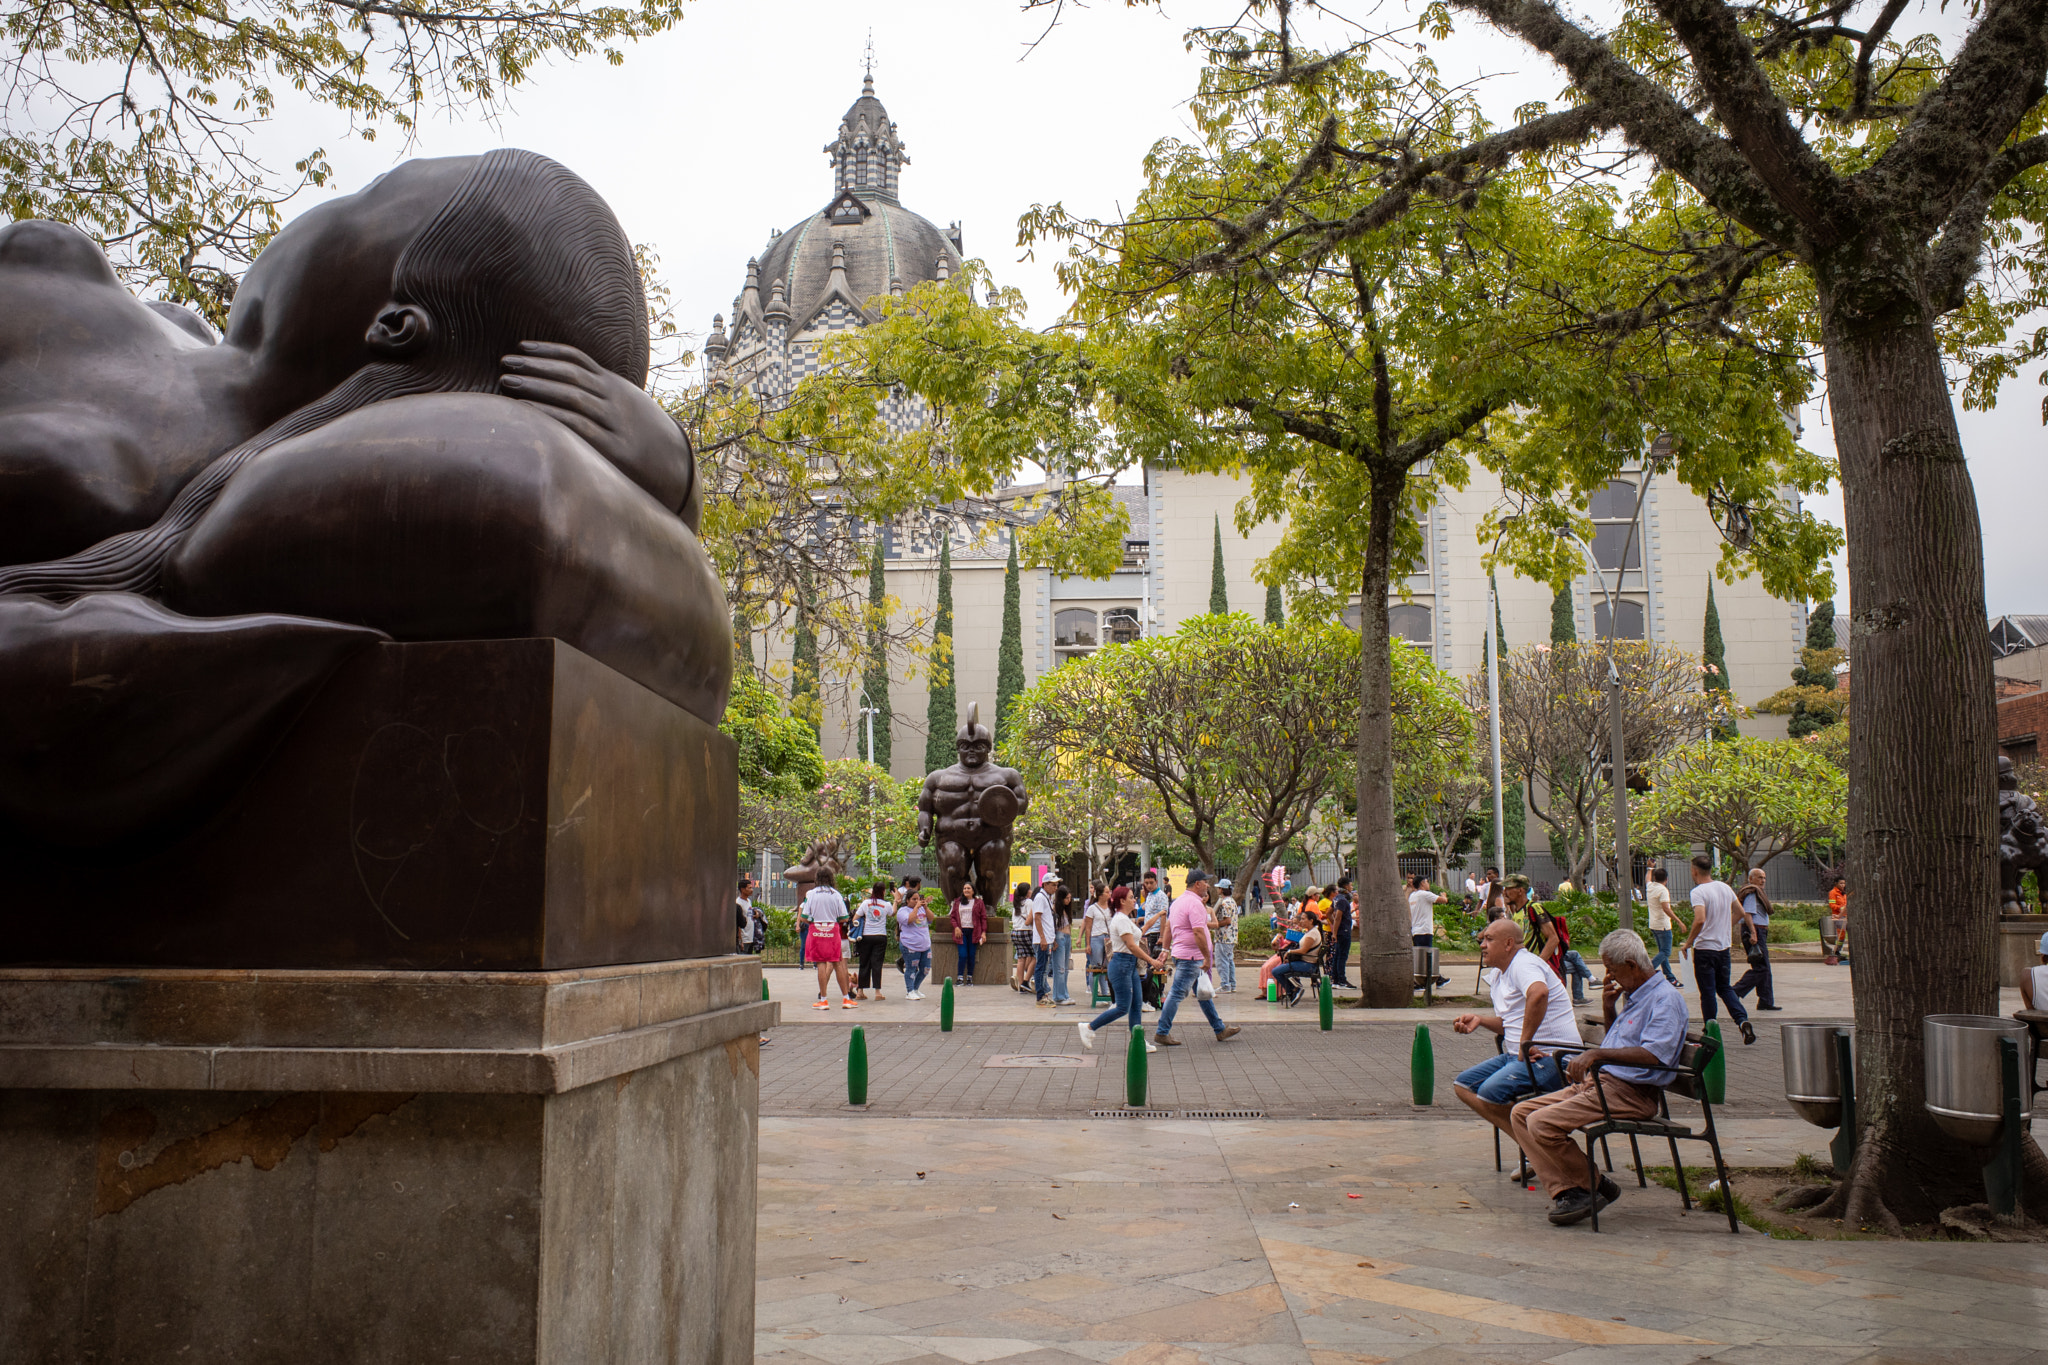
(1528, 999)
(1644, 1040)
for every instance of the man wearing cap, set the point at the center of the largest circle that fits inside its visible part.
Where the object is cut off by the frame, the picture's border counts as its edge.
(1039, 909)
(1226, 936)
(1187, 940)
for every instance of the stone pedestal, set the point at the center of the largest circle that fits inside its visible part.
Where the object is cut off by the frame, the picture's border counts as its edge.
(992, 961)
(2019, 946)
(364, 1166)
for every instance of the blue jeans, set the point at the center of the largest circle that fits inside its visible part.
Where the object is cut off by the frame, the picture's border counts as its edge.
(1185, 970)
(1575, 971)
(1041, 965)
(967, 948)
(1710, 967)
(1287, 972)
(1127, 988)
(917, 965)
(1500, 1078)
(1662, 961)
(1062, 946)
(1226, 967)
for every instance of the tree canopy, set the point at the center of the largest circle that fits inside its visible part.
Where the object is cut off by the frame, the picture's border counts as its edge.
(1751, 798)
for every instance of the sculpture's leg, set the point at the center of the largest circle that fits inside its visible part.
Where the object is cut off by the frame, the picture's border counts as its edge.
(952, 869)
(992, 870)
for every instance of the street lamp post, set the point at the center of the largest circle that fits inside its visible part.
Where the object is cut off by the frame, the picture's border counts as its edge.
(868, 712)
(1500, 827)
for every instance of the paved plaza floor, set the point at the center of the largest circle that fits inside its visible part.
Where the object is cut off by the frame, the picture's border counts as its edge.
(978, 1209)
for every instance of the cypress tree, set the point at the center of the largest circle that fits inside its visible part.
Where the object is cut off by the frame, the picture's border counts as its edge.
(1513, 812)
(1812, 671)
(942, 712)
(874, 679)
(803, 657)
(1564, 629)
(1275, 614)
(1219, 596)
(1716, 655)
(1010, 654)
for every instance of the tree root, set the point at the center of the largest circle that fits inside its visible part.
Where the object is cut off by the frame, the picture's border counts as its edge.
(1796, 1197)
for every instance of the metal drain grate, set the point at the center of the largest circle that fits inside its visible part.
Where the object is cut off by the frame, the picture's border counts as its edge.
(1176, 1114)
(1222, 1113)
(1128, 1114)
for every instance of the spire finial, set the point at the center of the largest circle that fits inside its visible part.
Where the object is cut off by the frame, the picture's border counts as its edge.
(867, 84)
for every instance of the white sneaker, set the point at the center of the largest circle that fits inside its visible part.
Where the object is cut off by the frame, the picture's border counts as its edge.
(1087, 1035)
(1151, 1047)
(914, 995)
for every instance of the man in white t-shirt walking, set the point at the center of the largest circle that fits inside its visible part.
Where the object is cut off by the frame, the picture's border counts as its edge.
(1039, 909)
(1713, 913)
(1192, 952)
(1657, 896)
(1533, 1016)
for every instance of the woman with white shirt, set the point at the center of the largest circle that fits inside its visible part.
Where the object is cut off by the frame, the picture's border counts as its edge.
(825, 912)
(871, 939)
(1126, 979)
(1097, 920)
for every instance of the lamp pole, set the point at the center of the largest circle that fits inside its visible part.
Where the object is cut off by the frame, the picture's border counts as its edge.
(1500, 828)
(867, 711)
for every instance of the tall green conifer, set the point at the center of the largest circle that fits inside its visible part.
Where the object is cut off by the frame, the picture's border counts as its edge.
(1276, 615)
(1513, 809)
(1715, 653)
(1564, 628)
(1219, 595)
(942, 712)
(803, 658)
(874, 679)
(1010, 654)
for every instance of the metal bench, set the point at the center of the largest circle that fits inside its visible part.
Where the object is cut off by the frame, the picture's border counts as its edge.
(1690, 1082)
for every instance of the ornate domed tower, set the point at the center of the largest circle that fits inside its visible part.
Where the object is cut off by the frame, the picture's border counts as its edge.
(819, 277)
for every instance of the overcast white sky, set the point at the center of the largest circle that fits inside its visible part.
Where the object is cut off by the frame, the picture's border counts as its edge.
(711, 135)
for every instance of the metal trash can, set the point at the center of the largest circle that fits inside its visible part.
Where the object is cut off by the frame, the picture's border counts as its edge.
(1813, 1076)
(1964, 1092)
(1425, 963)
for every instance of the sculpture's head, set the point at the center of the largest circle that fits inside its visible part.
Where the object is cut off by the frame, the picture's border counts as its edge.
(441, 266)
(2008, 780)
(974, 741)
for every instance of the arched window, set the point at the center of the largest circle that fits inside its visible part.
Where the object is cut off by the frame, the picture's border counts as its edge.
(1631, 622)
(1074, 628)
(1409, 621)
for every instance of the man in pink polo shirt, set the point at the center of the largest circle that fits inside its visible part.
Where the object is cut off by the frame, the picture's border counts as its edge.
(1187, 937)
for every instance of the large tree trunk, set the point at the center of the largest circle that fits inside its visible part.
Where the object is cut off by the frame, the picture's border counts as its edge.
(1386, 965)
(1923, 822)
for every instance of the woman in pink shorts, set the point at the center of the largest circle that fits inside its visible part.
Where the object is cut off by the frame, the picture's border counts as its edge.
(825, 912)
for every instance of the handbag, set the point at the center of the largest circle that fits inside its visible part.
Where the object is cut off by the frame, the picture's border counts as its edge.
(1754, 951)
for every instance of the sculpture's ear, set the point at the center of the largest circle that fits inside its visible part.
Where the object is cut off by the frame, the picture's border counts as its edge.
(401, 330)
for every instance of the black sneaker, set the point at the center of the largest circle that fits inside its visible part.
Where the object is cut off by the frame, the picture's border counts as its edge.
(1609, 1191)
(1774, 1009)
(1748, 1032)
(1572, 1206)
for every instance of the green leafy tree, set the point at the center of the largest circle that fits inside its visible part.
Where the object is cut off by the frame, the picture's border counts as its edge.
(1219, 591)
(1276, 613)
(1751, 798)
(1813, 701)
(778, 753)
(942, 708)
(138, 123)
(1010, 653)
(1714, 653)
(874, 679)
(1354, 380)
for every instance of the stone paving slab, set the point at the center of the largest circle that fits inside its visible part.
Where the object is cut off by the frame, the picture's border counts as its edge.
(1358, 1071)
(1290, 1243)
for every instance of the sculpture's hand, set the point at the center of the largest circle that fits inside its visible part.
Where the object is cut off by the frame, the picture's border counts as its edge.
(618, 421)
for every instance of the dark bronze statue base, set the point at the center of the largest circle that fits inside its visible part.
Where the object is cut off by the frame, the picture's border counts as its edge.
(501, 805)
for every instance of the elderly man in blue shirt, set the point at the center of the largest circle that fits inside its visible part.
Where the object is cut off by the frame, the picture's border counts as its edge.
(1637, 1059)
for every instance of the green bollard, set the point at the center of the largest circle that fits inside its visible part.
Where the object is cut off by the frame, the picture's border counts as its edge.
(857, 1068)
(1326, 1006)
(2002, 1172)
(764, 988)
(1134, 1070)
(1272, 991)
(1843, 1149)
(1717, 1070)
(1422, 1068)
(946, 1006)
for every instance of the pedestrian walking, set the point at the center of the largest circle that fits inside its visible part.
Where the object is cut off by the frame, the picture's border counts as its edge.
(914, 933)
(1039, 911)
(871, 940)
(1020, 936)
(753, 920)
(1657, 898)
(1756, 939)
(1713, 913)
(1062, 941)
(1836, 939)
(1552, 935)
(1341, 911)
(1194, 954)
(1227, 914)
(1128, 961)
(970, 928)
(825, 913)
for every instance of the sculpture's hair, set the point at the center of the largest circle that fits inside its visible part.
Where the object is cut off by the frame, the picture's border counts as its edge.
(524, 250)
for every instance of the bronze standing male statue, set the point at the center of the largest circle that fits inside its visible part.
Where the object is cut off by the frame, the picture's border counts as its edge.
(971, 807)
(2022, 840)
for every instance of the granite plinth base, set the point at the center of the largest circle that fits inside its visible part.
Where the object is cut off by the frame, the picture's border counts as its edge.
(489, 805)
(376, 1167)
(992, 960)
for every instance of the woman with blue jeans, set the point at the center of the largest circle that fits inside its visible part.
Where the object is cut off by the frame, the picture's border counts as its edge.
(1062, 943)
(1126, 979)
(914, 932)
